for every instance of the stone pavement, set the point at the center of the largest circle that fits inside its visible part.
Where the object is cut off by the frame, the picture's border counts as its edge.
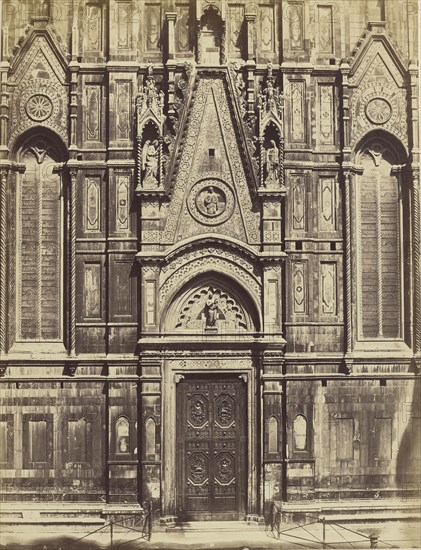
(219, 536)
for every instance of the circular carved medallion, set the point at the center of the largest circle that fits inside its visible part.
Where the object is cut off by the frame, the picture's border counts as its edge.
(39, 107)
(378, 110)
(211, 201)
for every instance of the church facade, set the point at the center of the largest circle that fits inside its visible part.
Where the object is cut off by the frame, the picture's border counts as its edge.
(210, 255)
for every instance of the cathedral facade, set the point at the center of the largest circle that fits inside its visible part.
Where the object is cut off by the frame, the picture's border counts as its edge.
(210, 218)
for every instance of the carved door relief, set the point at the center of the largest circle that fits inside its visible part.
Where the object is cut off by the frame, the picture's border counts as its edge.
(211, 448)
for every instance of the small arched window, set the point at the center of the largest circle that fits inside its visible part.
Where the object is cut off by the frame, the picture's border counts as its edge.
(300, 433)
(122, 428)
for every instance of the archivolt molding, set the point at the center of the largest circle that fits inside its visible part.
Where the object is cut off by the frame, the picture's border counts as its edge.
(178, 272)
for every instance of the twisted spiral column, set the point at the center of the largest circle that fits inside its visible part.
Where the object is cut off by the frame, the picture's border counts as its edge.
(261, 154)
(72, 262)
(139, 162)
(379, 256)
(417, 260)
(348, 274)
(281, 163)
(3, 286)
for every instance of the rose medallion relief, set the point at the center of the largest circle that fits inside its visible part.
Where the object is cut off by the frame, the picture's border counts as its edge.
(211, 201)
(39, 107)
(378, 110)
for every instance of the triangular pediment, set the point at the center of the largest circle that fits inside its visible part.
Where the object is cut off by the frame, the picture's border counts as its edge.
(211, 191)
(376, 55)
(39, 56)
(39, 75)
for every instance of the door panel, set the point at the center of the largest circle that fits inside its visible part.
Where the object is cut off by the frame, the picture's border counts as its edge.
(211, 444)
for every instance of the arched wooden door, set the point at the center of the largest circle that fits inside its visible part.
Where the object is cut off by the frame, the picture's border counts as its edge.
(211, 448)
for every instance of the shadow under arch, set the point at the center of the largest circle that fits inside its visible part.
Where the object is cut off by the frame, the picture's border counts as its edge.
(396, 150)
(40, 135)
(214, 279)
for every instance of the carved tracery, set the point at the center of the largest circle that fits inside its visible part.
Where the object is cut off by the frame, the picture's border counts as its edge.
(210, 308)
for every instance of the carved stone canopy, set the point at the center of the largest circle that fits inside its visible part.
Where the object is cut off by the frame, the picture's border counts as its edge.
(150, 103)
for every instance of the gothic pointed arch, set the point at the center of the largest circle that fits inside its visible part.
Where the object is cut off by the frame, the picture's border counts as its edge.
(38, 194)
(381, 206)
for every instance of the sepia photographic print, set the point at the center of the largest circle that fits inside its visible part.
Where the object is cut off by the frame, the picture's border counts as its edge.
(210, 289)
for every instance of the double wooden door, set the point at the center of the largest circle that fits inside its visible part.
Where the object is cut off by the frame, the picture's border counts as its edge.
(211, 448)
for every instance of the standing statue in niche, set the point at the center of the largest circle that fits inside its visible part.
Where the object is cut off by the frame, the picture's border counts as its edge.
(272, 164)
(150, 162)
(211, 310)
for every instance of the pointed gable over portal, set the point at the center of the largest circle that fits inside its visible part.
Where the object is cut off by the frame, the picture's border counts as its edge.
(211, 193)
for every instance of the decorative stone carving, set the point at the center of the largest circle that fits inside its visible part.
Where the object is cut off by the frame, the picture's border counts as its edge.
(299, 276)
(211, 105)
(122, 201)
(270, 105)
(150, 162)
(294, 15)
(327, 220)
(92, 204)
(212, 309)
(272, 165)
(93, 112)
(326, 115)
(211, 201)
(92, 291)
(39, 107)
(380, 98)
(297, 111)
(150, 127)
(298, 202)
(328, 287)
(123, 102)
(378, 110)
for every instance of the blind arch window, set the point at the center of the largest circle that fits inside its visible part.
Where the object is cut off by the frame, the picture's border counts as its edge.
(39, 244)
(380, 209)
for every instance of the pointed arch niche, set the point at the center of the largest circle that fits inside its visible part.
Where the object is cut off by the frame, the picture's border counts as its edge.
(381, 208)
(37, 303)
(211, 303)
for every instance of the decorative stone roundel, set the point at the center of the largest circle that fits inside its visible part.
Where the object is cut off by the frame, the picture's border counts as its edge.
(211, 201)
(378, 110)
(39, 107)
